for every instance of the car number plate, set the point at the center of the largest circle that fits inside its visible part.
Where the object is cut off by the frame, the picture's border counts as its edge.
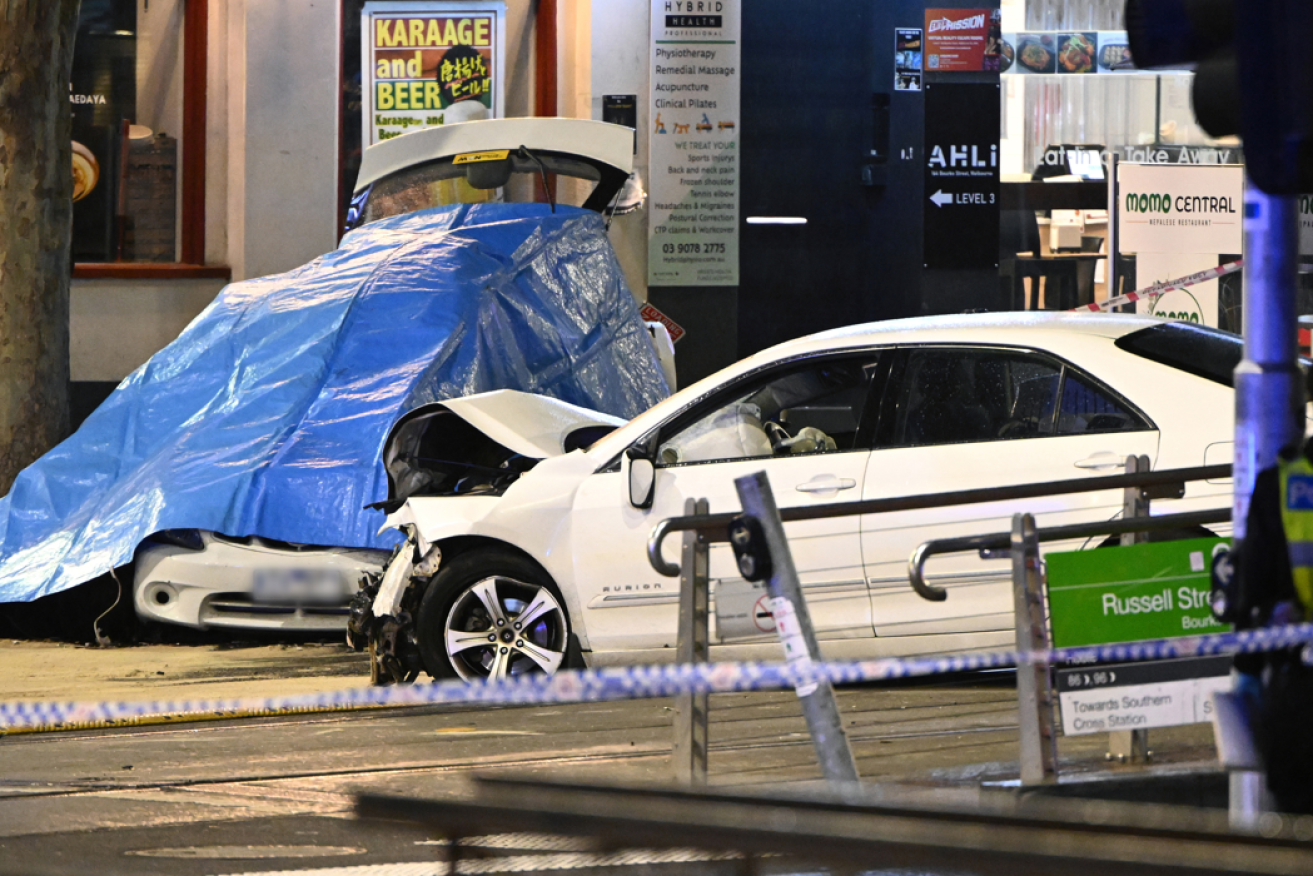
(307, 586)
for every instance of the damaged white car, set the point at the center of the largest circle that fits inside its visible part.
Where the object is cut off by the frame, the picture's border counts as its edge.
(506, 293)
(526, 520)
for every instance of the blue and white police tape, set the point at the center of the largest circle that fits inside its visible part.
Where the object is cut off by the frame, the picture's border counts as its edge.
(633, 682)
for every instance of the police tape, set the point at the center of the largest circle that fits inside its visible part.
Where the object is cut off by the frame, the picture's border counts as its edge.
(1164, 287)
(631, 682)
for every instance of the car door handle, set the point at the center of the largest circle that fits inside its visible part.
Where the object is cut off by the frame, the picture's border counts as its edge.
(1102, 459)
(826, 484)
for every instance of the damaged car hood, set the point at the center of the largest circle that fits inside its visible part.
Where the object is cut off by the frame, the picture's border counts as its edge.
(481, 444)
(530, 425)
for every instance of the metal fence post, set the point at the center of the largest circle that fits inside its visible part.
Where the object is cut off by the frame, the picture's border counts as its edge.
(1038, 757)
(692, 646)
(1132, 745)
(793, 623)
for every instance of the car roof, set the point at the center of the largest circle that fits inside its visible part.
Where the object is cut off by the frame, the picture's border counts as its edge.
(600, 141)
(1003, 329)
(973, 327)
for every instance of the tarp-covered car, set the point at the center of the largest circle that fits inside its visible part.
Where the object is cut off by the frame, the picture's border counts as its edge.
(242, 455)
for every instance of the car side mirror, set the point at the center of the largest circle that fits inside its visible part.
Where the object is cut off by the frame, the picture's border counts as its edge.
(642, 477)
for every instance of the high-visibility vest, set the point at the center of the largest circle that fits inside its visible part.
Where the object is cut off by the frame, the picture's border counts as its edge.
(1297, 521)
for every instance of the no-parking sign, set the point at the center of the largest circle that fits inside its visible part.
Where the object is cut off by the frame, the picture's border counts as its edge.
(743, 610)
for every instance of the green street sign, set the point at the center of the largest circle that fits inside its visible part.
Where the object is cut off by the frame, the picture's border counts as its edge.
(1123, 594)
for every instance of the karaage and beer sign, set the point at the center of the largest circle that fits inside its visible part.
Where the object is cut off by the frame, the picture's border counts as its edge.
(428, 64)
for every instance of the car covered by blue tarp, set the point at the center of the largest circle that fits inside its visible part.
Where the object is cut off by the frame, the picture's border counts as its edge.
(268, 414)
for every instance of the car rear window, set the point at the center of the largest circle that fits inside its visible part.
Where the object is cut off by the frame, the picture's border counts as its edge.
(1205, 352)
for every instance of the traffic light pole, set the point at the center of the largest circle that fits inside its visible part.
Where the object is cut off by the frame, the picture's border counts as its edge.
(1269, 394)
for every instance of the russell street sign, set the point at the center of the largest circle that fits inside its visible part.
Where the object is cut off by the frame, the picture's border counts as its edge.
(1124, 594)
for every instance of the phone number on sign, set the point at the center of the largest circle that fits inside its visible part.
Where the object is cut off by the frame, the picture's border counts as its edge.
(692, 247)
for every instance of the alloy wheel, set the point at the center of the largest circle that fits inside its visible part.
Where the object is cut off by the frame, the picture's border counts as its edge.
(500, 627)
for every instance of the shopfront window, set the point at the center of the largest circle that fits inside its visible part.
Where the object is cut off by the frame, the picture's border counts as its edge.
(1108, 105)
(1073, 104)
(130, 138)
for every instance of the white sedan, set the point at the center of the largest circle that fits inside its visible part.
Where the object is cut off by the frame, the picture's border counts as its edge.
(526, 547)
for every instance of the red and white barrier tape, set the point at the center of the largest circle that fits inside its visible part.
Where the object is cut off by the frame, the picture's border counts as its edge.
(1167, 286)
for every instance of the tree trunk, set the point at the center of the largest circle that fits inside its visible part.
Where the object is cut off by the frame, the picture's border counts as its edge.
(36, 216)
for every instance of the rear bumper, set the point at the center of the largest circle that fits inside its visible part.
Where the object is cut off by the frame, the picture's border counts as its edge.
(214, 587)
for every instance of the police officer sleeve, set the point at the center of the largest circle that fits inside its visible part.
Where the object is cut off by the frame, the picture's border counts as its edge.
(1263, 563)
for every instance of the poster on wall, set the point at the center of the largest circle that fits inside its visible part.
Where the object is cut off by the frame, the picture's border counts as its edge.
(103, 95)
(963, 40)
(1179, 220)
(907, 59)
(960, 224)
(426, 64)
(1065, 52)
(693, 226)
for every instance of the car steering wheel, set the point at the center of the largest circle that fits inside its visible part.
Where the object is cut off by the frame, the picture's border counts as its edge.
(1017, 427)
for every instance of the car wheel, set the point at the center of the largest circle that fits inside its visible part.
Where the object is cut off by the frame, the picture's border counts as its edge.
(491, 614)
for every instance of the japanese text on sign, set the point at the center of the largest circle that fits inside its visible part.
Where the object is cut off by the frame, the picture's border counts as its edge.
(430, 64)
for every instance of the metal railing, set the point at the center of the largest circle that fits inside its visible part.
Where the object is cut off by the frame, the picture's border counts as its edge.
(1002, 541)
(712, 528)
(897, 828)
(1038, 757)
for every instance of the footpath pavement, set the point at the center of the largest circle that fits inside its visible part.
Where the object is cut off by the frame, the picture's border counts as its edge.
(265, 794)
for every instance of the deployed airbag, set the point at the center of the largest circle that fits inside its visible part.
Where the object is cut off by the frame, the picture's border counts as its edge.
(268, 414)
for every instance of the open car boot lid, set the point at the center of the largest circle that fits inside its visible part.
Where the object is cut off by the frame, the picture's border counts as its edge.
(427, 167)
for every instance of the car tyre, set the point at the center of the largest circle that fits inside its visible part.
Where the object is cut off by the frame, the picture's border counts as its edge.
(491, 614)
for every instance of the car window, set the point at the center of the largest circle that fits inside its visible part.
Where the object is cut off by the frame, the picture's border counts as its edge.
(945, 395)
(950, 396)
(815, 408)
(1205, 352)
(1087, 409)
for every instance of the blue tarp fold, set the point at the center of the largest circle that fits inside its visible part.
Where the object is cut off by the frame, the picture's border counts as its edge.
(268, 414)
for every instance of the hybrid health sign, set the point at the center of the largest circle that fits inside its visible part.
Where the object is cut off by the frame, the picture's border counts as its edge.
(693, 138)
(426, 64)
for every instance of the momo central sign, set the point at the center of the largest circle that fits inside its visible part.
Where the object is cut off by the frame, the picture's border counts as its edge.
(1179, 219)
(1180, 208)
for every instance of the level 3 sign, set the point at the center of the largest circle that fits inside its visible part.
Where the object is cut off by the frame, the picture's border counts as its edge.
(960, 210)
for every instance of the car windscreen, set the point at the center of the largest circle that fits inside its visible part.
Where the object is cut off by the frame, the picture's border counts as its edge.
(506, 179)
(1205, 352)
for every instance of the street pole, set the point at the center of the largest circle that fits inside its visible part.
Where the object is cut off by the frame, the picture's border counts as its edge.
(1269, 395)
(794, 625)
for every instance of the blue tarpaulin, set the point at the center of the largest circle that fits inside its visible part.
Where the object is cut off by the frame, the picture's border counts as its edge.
(268, 414)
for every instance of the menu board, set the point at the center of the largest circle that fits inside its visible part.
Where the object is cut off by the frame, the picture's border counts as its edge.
(426, 64)
(693, 227)
(963, 40)
(1067, 53)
